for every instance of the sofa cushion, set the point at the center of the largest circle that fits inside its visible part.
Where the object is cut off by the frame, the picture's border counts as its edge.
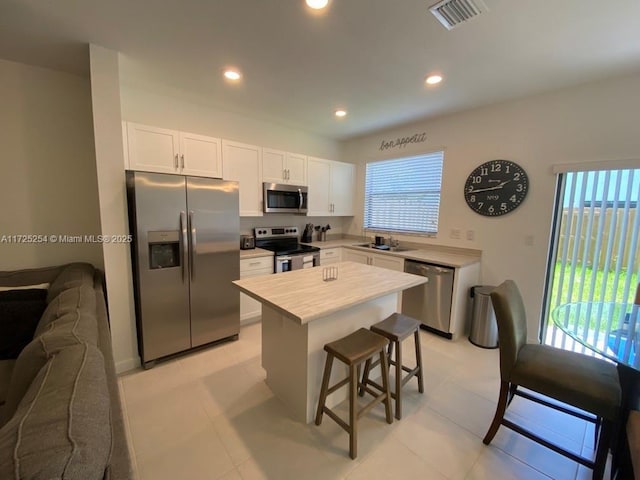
(73, 328)
(20, 311)
(73, 275)
(60, 429)
(80, 299)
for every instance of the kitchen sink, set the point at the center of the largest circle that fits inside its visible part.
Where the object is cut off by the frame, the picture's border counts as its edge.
(390, 249)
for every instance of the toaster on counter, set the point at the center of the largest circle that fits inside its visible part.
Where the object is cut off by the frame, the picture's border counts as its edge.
(247, 242)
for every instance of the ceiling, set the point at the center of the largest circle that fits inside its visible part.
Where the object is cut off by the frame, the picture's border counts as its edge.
(368, 56)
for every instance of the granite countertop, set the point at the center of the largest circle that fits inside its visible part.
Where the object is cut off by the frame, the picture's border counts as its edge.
(255, 253)
(304, 297)
(445, 256)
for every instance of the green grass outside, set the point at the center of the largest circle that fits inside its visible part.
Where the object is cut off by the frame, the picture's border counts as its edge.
(603, 282)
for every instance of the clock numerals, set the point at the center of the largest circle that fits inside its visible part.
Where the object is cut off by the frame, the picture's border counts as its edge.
(496, 187)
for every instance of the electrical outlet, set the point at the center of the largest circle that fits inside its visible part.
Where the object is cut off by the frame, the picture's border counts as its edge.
(455, 233)
(471, 235)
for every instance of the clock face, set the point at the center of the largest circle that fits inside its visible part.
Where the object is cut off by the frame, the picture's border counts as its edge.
(496, 188)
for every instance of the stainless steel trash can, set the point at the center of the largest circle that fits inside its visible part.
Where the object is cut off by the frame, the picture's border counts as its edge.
(484, 328)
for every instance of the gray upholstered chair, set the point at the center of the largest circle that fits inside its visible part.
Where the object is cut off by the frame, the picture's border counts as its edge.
(583, 382)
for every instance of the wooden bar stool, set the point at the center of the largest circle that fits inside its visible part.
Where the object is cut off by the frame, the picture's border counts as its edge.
(396, 328)
(353, 350)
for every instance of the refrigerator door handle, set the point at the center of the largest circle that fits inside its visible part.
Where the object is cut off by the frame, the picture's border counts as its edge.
(192, 245)
(184, 251)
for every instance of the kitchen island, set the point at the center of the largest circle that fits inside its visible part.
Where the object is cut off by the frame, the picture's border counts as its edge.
(301, 313)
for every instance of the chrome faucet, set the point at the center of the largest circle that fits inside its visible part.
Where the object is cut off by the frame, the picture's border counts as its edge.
(392, 242)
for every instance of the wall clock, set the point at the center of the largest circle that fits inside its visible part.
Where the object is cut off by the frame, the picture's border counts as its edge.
(496, 188)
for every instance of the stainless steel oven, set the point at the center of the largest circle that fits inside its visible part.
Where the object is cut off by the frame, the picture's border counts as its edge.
(281, 198)
(288, 253)
(296, 261)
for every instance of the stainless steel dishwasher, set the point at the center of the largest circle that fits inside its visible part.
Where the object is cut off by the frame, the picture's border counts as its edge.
(431, 302)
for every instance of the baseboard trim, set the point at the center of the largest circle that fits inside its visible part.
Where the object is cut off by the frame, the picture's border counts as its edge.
(127, 364)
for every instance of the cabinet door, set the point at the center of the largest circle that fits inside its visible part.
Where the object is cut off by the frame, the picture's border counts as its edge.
(319, 176)
(200, 155)
(250, 308)
(273, 165)
(349, 255)
(242, 163)
(330, 255)
(342, 188)
(387, 261)
(296, 166)
(153, 149)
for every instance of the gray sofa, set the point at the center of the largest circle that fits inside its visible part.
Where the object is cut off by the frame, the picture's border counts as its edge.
(60, 411)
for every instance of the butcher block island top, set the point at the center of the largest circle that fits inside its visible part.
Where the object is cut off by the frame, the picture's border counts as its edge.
(303, 296)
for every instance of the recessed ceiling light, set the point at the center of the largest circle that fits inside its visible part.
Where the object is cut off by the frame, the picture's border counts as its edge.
(317, 4)
(433, 79)
(232, 74)
(341, 113)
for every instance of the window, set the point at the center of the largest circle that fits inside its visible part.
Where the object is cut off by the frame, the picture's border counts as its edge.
(595, 255)
(403, 195)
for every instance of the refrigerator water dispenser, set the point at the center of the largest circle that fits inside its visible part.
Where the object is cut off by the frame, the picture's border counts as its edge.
(164, 249)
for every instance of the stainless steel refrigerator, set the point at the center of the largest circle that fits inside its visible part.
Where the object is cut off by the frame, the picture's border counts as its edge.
(185, 254)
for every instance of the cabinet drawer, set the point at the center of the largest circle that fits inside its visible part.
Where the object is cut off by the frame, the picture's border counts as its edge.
(330, 255)
(259, 263)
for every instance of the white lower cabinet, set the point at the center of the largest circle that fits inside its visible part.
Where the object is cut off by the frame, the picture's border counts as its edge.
(377, 260)
(253, 267)
(330, 255)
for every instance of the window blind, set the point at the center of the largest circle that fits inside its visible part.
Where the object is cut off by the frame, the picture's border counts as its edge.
(403, 195)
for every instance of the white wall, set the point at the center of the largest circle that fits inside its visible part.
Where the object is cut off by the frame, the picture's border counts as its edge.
(591, 123)
(47, 164)
(109, 160)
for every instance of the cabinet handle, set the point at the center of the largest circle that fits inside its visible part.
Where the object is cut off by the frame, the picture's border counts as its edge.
(284, 173)
(175, 161)
(288, 174)
(329, 253)
(251, 264)
(182, 161)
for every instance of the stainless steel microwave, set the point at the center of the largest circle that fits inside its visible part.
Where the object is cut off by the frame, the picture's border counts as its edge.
(281, 198)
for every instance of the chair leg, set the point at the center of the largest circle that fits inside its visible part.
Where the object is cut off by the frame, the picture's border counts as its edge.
(416, 336)
(500, 409)
(353, 417)
(325, 386)
(512, 393)
(602, 449)
(365, 377)
(399, 375)
(385, 386)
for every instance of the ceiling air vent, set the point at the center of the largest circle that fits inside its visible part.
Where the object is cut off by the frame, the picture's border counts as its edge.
(452, 13)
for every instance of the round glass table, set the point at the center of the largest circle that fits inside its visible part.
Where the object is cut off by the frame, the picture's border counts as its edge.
(609, 329)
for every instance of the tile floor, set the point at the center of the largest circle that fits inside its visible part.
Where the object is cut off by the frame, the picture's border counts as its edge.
(210, 415)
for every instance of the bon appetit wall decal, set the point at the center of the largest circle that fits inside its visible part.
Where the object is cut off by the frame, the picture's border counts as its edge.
(402, 142)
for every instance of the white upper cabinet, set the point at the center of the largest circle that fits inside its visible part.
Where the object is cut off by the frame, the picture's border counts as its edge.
(283, 167)
(243, 163)
(154, 149)
(331, 187)
(319, 199)
(200, 155)
(343, 182)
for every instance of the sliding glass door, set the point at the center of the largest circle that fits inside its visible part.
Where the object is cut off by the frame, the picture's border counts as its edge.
(594, 254)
